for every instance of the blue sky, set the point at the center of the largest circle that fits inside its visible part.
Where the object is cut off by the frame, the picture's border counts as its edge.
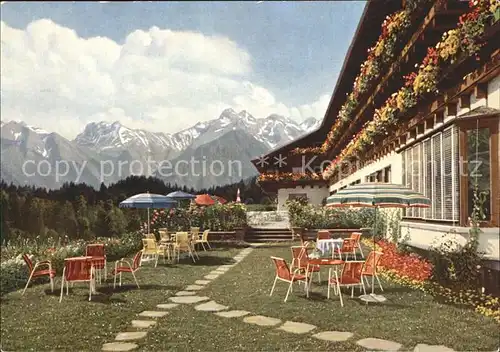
(295, 49)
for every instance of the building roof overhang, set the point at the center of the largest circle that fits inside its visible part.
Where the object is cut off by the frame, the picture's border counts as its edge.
(366, 34)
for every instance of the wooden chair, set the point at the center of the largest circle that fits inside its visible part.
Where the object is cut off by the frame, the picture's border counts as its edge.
(350, 277)
(78, 270)
(348, 247)
(300, 262)
(38, 270)
(283, 273)
(357, 237)
(370, 267)
(127, 268)
(98, 253)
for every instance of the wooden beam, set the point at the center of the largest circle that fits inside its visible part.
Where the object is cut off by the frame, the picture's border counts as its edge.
(439, 117)
(451, 109)
(481, 91)
(464, 101)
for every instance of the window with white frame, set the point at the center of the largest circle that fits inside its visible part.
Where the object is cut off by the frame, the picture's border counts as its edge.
(431, 168)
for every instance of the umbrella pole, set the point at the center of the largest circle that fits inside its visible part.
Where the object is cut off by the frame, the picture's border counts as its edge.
(374, 248)
(148, 222)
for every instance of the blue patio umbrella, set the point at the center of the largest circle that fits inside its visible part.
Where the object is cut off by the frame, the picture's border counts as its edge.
(181, 195)
(148, 201)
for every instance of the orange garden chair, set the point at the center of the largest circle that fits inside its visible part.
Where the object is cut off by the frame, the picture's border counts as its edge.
(357, 237)
(183, 244)
(78, 270)
(283, 273)
(323, 235)
(301, 260)
(348, 247)
(204, 240)
(350, 277)
(151, 250)
(370, 267)
(43, 268)
(124, 266)
(98, 253)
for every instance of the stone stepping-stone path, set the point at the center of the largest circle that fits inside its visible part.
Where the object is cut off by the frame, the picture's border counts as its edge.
(119, 346)
(143, 324)
(185, 293)
(261, 320)
(194, 288)
(297, 328)
(211, 276)
(379, 344)
(211, 306)
(233, 314)
(167, 305)
(153, 314)
(334, 336)
(202, 282)
(188, 299)
(128, 336)
(188, 296)
(422, 347)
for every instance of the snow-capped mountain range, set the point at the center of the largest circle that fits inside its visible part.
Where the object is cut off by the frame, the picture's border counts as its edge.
(231, 136)
(272, 131)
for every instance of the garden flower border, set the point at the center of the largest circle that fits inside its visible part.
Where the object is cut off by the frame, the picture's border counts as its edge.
(486, 305)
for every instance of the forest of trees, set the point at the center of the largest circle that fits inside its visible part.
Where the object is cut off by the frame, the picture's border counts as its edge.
(78, 211)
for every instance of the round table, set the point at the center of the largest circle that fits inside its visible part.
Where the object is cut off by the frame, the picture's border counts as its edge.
(323, 262)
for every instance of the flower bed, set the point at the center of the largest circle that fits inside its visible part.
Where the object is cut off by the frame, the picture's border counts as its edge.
(413, 271)
(13, 270)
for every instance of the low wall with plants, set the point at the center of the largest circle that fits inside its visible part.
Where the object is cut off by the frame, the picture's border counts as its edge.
(14, 272)
(220, 217)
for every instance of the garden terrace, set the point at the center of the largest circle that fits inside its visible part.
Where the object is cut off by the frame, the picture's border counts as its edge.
(239, 284)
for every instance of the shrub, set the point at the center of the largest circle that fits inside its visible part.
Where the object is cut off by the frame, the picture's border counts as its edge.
(314, 217)
(220, 217)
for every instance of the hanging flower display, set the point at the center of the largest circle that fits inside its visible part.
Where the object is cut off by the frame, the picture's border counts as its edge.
(394, 28)
(424, 81)
(290, 176)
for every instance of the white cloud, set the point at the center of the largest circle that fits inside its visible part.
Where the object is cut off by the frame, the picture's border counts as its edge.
(159, 79)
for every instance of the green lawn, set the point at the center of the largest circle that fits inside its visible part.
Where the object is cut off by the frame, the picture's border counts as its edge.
(38, 322)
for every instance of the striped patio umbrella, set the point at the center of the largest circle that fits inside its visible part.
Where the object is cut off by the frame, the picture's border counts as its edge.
(377, 195)
(181, 195)
(148, 200)
(380, 195)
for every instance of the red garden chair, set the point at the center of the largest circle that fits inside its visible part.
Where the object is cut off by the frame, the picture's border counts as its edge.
(350, 277)
(79, 269)
(348, 247)
(283, 273)
(357, 237)
(127, 268)
(43, 268)
(370, 267)
(98, 253)
(323, 235)
(300, 262)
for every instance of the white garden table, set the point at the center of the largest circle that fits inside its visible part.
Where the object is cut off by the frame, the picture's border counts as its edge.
(329, 244)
